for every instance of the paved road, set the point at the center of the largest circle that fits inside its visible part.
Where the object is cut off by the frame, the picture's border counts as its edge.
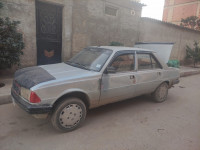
(136, 124)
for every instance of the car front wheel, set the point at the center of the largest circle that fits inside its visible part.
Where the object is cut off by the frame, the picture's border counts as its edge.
(68, 115)
(160, 94)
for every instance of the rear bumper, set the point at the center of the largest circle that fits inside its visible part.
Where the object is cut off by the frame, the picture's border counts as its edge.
(175, 81)
(30, 108)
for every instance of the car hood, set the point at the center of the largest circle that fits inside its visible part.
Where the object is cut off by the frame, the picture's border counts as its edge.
(66, 71)
(32, 76)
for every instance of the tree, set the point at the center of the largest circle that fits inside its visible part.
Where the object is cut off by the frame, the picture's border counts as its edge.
(193, 53)
(192, 22)
(11, 43)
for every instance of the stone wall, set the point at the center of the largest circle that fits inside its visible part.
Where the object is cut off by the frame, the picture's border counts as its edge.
(158, 31)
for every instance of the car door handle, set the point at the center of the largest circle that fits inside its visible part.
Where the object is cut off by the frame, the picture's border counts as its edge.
(132, 77)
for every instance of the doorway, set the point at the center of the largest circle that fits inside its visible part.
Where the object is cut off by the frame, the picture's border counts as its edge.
(48, 33)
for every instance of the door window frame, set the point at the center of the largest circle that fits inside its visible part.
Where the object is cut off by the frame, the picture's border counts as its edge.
(151, 56)
(119, 53)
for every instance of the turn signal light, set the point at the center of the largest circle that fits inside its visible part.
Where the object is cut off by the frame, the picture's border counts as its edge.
(34, 98)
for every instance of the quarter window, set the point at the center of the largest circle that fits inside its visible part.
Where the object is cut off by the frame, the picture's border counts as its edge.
(147, 61)
(124, 63)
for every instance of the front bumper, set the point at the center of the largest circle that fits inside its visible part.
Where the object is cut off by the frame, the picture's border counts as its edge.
(30, 108)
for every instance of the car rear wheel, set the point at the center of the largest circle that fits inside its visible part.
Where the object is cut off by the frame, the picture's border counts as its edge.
(160, 94)
(68, 115)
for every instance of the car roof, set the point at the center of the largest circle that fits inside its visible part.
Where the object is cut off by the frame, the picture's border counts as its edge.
(120, 48)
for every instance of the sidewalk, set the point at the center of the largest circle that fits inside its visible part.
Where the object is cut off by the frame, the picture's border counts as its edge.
(5, 91)
(188, 71)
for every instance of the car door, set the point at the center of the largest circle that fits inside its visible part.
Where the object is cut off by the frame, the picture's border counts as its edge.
(120, 84)
(149, 73)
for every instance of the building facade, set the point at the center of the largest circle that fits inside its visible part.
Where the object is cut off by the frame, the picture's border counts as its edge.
(54, 30)
(175, 10)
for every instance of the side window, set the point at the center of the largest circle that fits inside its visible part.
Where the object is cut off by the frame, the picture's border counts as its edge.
(144, 61)
(124, 63)
(147, 61)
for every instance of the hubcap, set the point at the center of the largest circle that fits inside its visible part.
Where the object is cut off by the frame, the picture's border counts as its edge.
(70, 116)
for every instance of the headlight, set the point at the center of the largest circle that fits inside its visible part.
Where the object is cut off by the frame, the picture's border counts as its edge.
(25, 93)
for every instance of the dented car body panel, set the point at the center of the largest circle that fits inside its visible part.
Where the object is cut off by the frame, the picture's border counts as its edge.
(68, 79)
(100, 87)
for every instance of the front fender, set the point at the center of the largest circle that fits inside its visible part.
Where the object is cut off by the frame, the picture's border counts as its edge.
(69, 91)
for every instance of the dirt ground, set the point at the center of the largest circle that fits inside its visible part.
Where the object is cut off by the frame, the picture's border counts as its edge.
(135, 124)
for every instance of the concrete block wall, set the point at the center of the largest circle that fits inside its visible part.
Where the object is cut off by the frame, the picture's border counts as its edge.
(24, 11)
(157, 31)
(91, 26)
(85, 23)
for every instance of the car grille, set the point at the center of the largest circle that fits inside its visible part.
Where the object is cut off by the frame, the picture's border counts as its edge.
(16, 87)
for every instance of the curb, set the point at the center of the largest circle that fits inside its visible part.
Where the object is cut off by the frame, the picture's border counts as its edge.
(189, 73)
(6, 99)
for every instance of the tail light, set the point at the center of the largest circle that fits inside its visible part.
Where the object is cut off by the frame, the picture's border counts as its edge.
(34, 98)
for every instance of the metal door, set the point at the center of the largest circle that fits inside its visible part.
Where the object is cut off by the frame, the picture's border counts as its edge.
(149, 74)
(117, 87)
(49, 33)
(147, 81)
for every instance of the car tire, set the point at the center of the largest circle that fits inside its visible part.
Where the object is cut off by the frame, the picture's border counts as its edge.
(69, 115)
(160, 94)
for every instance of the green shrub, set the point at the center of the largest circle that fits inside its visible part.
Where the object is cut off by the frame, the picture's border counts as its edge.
(11, 43)
(193, 53)
(116, 44)
(173, 63)
(1, 4)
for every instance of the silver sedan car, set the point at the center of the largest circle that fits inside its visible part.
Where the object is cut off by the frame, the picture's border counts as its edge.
(94, 77)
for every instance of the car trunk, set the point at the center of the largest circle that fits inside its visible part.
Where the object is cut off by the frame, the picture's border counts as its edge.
(163, 50)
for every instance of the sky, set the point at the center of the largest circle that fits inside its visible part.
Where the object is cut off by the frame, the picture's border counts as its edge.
(154, 9)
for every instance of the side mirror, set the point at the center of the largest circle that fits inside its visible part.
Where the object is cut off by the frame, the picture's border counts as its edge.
(110, 70)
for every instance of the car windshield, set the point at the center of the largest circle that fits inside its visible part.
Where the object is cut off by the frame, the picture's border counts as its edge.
(90, 58)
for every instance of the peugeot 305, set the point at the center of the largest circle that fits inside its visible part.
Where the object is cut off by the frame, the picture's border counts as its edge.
(94, 77)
